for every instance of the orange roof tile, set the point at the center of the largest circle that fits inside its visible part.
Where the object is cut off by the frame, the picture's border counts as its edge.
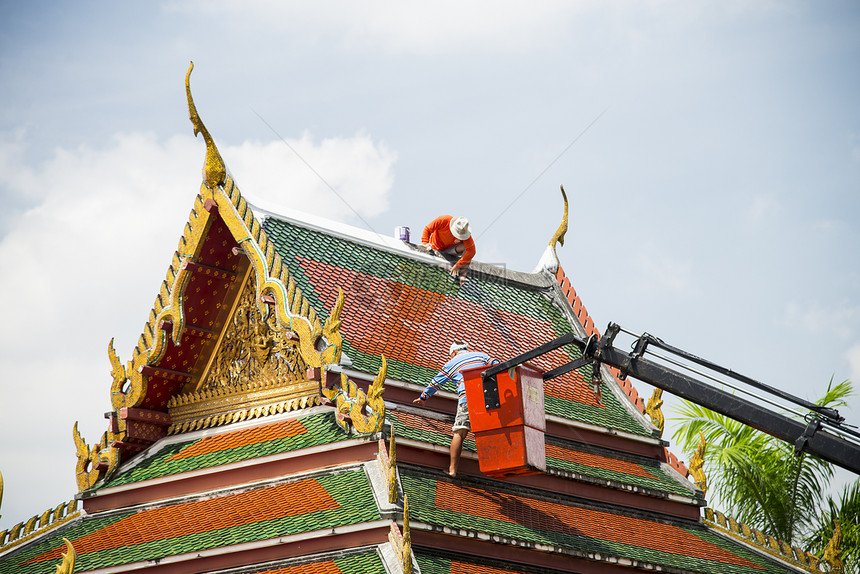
(597, 461)
(227, 441)
(408, 317)
(579, 521)
(150, 525)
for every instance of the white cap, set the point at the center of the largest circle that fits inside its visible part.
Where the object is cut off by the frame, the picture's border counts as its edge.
(460, 228)
(457, 346)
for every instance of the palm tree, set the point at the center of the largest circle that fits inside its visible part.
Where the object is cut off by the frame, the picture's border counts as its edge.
(761, 482)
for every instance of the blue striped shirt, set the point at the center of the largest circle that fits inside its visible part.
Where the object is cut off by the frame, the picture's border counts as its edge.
(451, 372)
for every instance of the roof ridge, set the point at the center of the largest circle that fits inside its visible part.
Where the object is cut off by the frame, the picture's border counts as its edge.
(376, 240)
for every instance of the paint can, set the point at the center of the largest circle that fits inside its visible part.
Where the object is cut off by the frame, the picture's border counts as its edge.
(401, 233)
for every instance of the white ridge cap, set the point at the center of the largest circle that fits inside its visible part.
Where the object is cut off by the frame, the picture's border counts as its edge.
(337, 228)
(386, 242)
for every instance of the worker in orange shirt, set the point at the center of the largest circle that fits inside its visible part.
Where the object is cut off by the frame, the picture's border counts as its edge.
(452, 236)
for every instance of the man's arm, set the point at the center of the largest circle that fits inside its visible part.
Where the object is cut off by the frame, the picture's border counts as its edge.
(468, 254)
(437, 383)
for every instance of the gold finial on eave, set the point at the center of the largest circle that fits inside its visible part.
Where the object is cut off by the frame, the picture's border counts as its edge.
(68, 564)
(834, 549)
(697, 465)
(1, 493)
(214, 171)
(655, 411)
(392, 470)
(406, 554)
(562, 229)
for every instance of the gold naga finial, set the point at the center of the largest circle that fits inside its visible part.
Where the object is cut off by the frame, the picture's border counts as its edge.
(655, 411)
(834, 549)
(392, 470)
(549, 259)
(1, 492)
(214, 170)
(68, 564)
(697, 465)
(562, 229)
(351, 402)
(407, 539)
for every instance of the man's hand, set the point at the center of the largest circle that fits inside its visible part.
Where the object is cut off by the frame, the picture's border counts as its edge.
(455, 273)
(419, 401)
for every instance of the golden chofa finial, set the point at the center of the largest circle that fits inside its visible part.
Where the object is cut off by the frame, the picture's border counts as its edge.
(1, 491)
(549, 259)
(562, 229)
(68, 564)
(214, 171)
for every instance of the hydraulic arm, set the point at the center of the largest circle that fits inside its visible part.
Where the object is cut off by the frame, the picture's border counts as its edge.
(823, 431)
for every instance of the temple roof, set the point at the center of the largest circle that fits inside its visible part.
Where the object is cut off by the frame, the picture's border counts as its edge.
(405, 306)
(265, 423)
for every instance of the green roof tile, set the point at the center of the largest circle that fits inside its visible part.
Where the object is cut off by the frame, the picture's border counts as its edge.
(349, 489)
(321, 429)
(530, 521)
(402, 307)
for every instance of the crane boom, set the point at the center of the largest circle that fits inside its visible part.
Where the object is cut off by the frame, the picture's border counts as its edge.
(823, 433)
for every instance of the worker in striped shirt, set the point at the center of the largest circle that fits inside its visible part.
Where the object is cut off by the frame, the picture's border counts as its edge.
(459, 358)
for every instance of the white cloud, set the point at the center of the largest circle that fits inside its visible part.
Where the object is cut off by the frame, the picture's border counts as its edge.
(341, 179)
(445, 26)
(452, 26)
(85, 263)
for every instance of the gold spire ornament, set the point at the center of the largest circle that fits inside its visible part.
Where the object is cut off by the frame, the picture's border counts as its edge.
(68, 564)
(654, 409)
(214, 170)
(406, 555)
(549, 259)
(392, 471)
(558, 237)
(697, 465)
(352, 404)
(834, 550)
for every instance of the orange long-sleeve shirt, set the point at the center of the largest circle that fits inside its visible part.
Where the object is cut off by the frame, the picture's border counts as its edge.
(438, 235)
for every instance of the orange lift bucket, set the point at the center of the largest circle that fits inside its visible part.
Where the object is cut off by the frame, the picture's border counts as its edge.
(510, 438)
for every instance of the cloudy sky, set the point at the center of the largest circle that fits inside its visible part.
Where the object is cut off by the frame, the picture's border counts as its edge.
(711, 151)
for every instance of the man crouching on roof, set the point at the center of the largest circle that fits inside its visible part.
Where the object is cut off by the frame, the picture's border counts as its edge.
(459, 358)
(452, 236)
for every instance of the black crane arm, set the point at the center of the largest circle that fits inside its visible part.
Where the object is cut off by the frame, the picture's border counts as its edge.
(814, 436)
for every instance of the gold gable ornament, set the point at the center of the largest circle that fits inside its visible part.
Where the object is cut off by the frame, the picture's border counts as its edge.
(352, 405)
(214, 170)
(67, 566)
(697, 464)
(290, 330)
(654, 409)
(402, 542)
(834, 550)
(558, 237)
(257, 370)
